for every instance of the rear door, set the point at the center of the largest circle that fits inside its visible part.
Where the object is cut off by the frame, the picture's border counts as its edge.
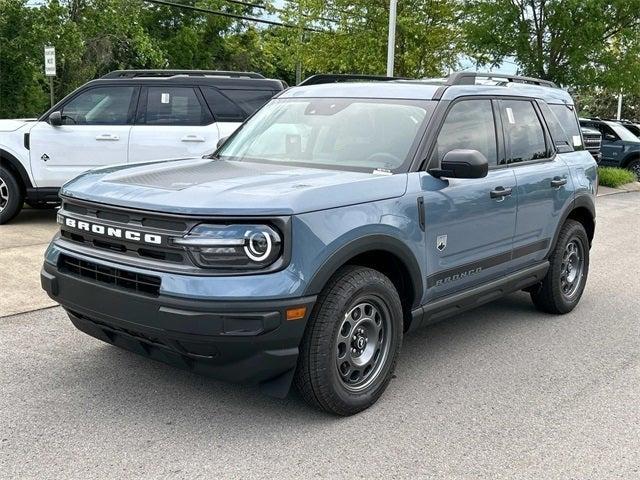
(172, 122)
(469, 229)
(95, 132)
(542, 178)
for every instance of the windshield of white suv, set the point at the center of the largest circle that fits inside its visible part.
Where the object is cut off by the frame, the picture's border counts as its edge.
(622, 132)
(344, 133)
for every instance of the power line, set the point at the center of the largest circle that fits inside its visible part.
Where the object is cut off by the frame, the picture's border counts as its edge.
(231, 15)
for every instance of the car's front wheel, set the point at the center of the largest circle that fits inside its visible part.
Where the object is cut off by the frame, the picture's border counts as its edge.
(11, 196)
(352, 342)
(562, 287)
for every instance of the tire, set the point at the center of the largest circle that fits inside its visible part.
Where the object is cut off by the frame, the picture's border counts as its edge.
(11, 196)
(356, 323)
(562, 287)
(634, 166)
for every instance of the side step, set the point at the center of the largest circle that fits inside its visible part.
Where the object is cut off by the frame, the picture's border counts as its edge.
(459, 302)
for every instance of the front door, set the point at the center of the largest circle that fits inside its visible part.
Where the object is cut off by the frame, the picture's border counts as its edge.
(95, 132)
(469, 222)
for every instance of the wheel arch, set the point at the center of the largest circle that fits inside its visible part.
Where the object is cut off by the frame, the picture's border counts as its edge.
(583, 210)
(629, 158)
(10, 162)
(381, 252)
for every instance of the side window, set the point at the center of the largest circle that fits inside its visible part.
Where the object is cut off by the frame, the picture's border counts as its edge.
(565, 119)
(524, 134)
(224, 110)
(99, 106)
(249, 100)
(559, 134)
(175, 106)
(469, 125)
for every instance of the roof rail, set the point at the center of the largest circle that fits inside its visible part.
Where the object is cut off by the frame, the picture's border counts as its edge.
(336, 78)
(469, 78)
(171, 73)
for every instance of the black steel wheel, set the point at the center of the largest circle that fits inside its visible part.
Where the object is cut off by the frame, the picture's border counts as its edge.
(351, 342)
(562, 287)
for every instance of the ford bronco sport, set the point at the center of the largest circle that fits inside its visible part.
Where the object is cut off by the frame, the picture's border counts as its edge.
(127, 116)
(336, 219)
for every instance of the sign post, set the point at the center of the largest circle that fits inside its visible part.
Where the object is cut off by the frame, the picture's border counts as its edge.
(50, 68)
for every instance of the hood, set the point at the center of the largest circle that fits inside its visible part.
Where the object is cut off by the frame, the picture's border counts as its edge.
(220, 187)
(12, 125)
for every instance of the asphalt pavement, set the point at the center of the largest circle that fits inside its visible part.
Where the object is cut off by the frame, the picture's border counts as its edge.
(500, 392)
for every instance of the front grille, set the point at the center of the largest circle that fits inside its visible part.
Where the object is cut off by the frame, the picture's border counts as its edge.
(592, 142)
(119, 218)
(132, 281)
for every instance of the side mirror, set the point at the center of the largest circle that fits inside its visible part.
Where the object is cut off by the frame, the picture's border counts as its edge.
(609, 137)
(222, 141)
(462, 164)
(55, 119)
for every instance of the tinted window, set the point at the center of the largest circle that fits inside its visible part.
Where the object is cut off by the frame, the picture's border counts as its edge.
(224, 110)
(175, 106)
(99, 106)
(469, 125)
(566, 116)
(563, 125)
(249, 100)
(524, 134)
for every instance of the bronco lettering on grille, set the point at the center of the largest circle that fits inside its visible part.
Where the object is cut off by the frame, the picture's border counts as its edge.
(113, 232)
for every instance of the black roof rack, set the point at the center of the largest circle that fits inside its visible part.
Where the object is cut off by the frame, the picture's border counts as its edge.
(337, 78)
(469, 78)
(171, 73)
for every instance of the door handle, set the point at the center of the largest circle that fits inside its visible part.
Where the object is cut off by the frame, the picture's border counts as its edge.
(107, 136)
(500, 193)
(557, 182)
(192, 138)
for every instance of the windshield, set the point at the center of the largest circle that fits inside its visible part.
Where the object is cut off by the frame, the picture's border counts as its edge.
(344, 133)
(623, 133)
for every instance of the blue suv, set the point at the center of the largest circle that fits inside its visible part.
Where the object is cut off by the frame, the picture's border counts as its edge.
(339, 217)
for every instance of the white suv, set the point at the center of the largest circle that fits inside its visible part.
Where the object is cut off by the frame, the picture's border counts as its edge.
(127, 116)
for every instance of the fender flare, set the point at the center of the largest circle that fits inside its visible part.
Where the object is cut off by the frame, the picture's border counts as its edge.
(17, 166)
(583, 200)
(364, 244)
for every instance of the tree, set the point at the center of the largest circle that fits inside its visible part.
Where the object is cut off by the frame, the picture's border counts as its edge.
(353, 37)
(572, 42)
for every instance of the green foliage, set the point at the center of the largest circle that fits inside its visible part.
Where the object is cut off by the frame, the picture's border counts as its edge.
(614, 177)
(572, 42)
(356, 42)
(603, 103)
(590, 45)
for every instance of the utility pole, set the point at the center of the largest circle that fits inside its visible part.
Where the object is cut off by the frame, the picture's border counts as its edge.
(299, 46)
(619, 106)
(391, 42)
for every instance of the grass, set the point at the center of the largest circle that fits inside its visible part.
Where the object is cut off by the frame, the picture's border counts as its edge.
(614, 177)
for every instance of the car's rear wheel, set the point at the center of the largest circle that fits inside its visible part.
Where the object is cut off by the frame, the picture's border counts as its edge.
(634, 166)
(562, 287)
(351, 343)
(11, 196)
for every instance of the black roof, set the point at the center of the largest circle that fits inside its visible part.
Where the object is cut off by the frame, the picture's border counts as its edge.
(219, 78)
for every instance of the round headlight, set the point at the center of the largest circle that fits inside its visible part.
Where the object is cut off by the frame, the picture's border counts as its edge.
(259, 246)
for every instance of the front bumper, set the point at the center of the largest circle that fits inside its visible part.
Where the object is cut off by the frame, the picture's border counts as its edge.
(236, 341)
